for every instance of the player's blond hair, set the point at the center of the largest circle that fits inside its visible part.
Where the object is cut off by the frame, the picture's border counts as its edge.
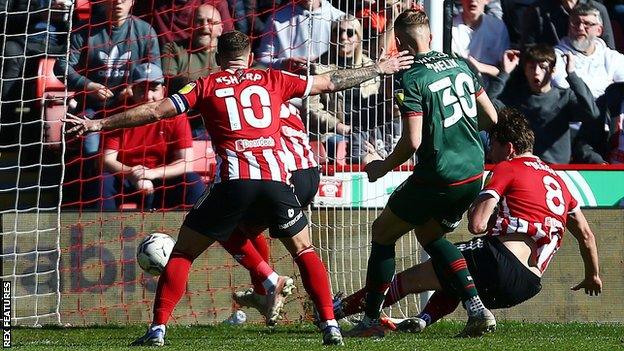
(359, 51)
(412, 19)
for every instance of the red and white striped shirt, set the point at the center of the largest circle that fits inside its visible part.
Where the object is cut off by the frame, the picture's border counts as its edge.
(534, 201)
(241, 112)
(296, 153)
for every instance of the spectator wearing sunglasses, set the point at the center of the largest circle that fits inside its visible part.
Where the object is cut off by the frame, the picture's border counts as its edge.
(355, 115)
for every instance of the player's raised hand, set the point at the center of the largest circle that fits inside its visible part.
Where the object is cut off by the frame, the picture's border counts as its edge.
(390, 64)
(592, 286)
(79, 126)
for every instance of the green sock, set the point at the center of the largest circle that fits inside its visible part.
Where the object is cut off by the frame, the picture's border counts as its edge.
(447, 258)
(378, 277)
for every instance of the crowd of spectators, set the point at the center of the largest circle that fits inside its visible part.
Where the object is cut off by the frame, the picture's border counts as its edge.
(555, 60)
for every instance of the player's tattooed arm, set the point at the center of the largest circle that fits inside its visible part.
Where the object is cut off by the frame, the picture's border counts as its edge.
(347, 78)
(138, 116)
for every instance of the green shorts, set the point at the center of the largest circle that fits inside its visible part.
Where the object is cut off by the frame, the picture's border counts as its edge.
(417, 203)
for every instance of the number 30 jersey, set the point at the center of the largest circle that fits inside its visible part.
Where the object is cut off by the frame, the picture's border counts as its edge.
(442, 91)
(241, 111)
(533, 200)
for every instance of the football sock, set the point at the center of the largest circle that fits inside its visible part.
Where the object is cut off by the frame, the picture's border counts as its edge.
(439, 305)
(474, 305)
(243, 250)
(447, 256)
(270, 283)
(354, 303)
(395, 293)
(316, 282)
(381, 267)
(171, 286)
(328, 323)
(158, 326)
(262, 247)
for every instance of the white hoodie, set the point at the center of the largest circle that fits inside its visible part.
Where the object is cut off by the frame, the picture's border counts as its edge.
(598, 70)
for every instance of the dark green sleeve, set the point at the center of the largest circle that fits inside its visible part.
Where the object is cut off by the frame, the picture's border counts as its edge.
(410, 99)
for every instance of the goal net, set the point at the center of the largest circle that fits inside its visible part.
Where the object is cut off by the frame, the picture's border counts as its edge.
(69, 258)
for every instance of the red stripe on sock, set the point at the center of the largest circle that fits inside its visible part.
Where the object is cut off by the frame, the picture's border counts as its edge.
(458, 265)
(396, 291)
(469, 286)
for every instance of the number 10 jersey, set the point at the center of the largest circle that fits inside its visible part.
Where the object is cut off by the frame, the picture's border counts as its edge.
(241, 111)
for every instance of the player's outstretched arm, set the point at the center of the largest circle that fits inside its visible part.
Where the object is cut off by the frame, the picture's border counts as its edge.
(486, 113)
(138, 116)
(578, 226)
(347, 78)
(480, 213)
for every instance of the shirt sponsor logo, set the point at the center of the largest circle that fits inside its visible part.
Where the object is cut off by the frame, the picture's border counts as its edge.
(291, 222)
(243, 144)
(187, 88)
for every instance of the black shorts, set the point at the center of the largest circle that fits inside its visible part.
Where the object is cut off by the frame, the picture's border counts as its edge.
(305, 185)
(500, 278)
(222, 208)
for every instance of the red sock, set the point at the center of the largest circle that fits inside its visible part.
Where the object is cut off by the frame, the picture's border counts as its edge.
(171, 286)
(243, 250)
(354, 303)
(316, 282)
(259, 242)
(395, 293)
(439, 305)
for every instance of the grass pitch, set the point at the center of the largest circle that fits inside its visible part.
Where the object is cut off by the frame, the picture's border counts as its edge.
(509, 336)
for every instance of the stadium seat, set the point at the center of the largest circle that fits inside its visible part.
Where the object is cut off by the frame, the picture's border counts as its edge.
(51, 92)
(83, 10)
(204, 160)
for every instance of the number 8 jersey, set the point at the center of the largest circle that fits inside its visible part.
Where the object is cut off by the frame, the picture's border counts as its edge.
(241, 111)
(533, 200)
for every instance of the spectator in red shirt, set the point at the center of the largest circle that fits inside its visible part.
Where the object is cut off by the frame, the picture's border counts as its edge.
(150, 162)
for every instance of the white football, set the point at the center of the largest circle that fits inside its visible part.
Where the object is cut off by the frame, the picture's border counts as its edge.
(154, 251)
